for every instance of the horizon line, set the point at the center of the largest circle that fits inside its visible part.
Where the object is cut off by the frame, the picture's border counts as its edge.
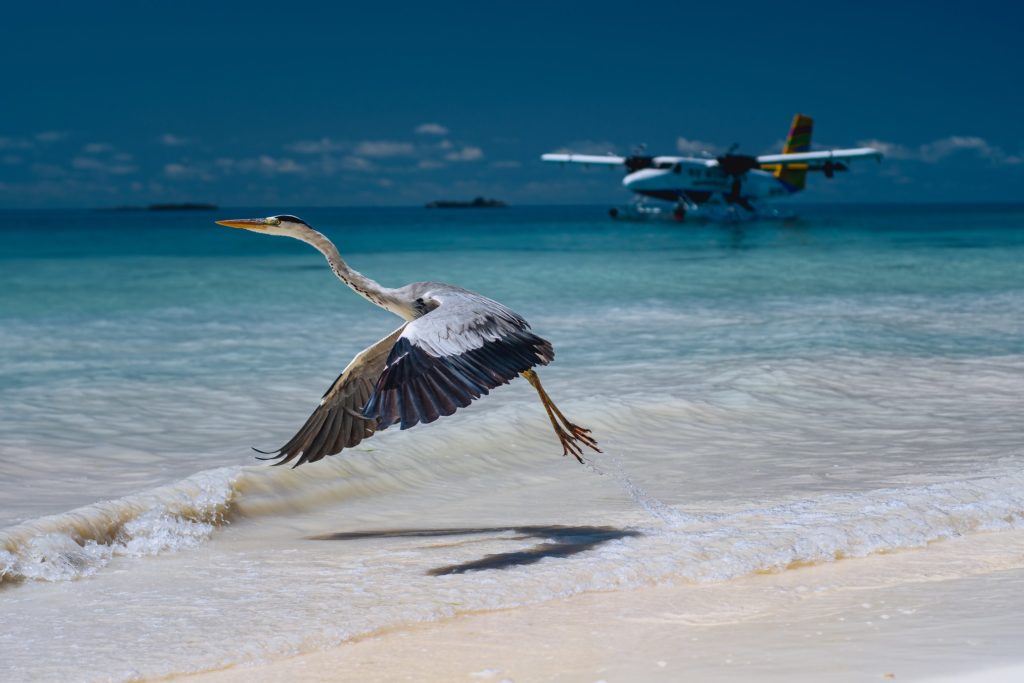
(144, 207)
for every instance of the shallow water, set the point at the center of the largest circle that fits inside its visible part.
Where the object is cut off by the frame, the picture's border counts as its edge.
(767, 396)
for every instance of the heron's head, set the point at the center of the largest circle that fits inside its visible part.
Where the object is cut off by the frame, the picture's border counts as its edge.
(290, 226)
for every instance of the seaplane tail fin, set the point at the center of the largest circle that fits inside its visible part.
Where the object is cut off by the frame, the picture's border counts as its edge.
(798, 140)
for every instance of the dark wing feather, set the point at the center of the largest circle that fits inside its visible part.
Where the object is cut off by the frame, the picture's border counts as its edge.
(338, 421)
(459, 351)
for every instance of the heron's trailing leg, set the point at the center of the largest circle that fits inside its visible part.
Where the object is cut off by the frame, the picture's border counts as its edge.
(569, 434)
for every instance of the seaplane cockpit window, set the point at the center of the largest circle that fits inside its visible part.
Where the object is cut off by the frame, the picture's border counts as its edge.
(677, 168)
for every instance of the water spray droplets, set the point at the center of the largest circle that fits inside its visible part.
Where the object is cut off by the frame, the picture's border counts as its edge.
(668, 515)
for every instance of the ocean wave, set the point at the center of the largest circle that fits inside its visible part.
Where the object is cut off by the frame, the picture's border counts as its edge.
(178, 516)
(387, 577)
(700, 546)
(825, 528)
(673, 547)
(80, 542)
(183, 514)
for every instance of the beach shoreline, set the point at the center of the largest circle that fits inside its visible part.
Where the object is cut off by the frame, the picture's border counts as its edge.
(850, 620)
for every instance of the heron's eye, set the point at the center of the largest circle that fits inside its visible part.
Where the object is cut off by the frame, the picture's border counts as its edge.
(274, 221)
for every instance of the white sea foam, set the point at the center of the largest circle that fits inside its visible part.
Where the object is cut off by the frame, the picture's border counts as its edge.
(611, 465)
(826, 528)
(680, 461)
(80, 542)
(352, 589)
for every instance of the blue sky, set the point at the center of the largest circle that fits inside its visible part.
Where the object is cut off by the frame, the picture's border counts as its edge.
(297, 104)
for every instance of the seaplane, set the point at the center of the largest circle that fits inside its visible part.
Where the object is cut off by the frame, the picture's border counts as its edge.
(729, 186)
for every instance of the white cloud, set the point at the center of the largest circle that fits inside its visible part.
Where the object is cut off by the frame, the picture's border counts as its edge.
(369, 156)
(779, 145)
(48, 171)
(467, 153)
(172, 140)
(938, 150)
(506, 164)
(431, 129)
(185, 172)
(263, 164)
(86, 163)
(14, 143)
(279, 165)
(891, 150)
(587, 147)
(321, 146)
(97, 148)
(51, 136)
(11, 160)
(687, 146)
(384, 148)
(177, 170)
(95, 165)
(354, 163)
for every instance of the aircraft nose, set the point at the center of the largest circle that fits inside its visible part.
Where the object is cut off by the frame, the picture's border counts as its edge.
(639, 179)
(630, 179)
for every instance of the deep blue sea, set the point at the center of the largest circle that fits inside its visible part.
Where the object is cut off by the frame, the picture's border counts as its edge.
(841, 384)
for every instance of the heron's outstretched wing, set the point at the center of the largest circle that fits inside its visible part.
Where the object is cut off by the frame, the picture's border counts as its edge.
(338, 421)
(464, 347)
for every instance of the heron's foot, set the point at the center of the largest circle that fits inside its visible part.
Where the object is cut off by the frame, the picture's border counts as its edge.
(573, 437)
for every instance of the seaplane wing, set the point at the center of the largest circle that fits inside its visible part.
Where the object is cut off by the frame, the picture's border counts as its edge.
(608, 159)
(817, 159)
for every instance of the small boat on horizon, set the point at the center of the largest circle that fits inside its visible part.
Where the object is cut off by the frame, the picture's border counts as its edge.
(478, 203)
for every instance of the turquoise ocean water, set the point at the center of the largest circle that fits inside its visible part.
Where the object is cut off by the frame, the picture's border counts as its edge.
(766, 394)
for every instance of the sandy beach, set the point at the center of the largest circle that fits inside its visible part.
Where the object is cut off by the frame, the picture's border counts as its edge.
(932, 614)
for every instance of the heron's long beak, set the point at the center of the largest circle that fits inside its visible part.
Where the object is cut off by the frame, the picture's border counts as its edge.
(245, 223)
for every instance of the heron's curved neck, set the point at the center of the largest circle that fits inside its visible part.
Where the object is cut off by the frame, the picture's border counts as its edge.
(360, 284)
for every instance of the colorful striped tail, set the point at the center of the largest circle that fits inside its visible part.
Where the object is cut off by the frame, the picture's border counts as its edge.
(798, 140)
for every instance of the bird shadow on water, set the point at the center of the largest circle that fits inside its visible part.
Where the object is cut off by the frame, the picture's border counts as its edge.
(558, 541)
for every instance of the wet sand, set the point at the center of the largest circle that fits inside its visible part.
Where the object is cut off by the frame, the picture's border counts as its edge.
(946, 612)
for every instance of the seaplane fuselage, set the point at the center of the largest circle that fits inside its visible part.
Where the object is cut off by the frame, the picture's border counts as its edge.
(700, 179)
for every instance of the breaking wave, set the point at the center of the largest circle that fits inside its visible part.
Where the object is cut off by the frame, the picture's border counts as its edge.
(826, 528)
(80, 542)
(673, 545)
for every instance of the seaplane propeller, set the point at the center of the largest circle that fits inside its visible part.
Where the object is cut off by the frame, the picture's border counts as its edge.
(636, 162)
(829, 168)
(736, 166)
(639, 159)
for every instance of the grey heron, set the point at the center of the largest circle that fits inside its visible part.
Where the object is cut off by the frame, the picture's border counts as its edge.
(454, 347)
